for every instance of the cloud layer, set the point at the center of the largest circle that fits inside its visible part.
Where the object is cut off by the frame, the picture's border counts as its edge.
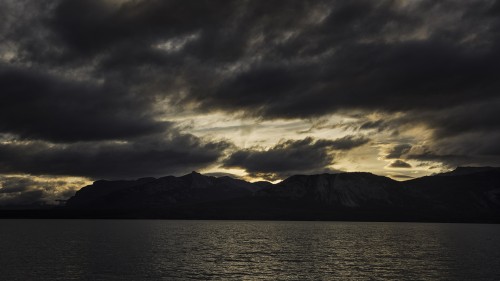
(153, 156)
(91, 87)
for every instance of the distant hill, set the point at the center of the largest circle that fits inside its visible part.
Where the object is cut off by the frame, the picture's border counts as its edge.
(463, 195)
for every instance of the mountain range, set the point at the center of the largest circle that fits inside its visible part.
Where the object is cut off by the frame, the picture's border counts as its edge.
(467, 194)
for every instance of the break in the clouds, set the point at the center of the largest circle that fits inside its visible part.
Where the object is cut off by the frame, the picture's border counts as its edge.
(22, 190)
(105, 88)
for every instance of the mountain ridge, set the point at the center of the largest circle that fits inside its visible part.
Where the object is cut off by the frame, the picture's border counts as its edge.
(467, 195)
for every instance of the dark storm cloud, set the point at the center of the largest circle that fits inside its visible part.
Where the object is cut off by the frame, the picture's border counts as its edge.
(404, 76)
(93, 26)
(366, 68)
(399, 164)
(225, 27)
(460, 135)
(466, 150)
(290, 58)
(474, 117)
(292, 157)
(153, 156)
(90, 70)
(465, 135)
(40, 106)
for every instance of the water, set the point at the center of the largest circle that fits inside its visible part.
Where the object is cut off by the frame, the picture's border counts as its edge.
(246, 250)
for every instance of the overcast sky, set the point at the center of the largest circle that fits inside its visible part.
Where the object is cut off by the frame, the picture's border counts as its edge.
(107, 89)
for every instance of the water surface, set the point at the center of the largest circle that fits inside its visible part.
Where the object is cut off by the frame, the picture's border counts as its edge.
(246, 250)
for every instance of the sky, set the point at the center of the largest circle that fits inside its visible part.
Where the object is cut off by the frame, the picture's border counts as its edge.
(260, 90)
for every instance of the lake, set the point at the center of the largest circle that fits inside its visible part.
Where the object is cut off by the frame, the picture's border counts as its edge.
(246, 250)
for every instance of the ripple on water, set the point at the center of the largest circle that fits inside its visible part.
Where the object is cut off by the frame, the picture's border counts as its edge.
(246, 250)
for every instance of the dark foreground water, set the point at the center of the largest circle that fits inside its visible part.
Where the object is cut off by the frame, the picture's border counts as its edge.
(246, 250)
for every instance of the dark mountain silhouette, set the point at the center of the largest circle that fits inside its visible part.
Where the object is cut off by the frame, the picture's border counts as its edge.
(464, 195)
(464, 191)
(164, 192)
